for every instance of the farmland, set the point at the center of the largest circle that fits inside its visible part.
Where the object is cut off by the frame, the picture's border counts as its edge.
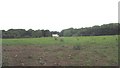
(64, 51)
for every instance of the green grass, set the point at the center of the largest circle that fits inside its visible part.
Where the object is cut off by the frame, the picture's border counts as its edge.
(94, 50)
(84, 40)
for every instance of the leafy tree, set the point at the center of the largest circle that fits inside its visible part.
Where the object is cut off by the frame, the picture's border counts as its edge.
(105, 29)
(47, 33)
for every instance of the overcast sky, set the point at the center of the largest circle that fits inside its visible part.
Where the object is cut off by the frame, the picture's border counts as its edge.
(56, 15)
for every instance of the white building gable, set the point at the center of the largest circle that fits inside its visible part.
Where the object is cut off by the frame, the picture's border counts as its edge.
(55, 35)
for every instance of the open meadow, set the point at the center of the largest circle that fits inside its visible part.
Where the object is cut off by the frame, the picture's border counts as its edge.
(63, 51)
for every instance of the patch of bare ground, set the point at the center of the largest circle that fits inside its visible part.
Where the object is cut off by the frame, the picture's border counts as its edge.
(49, 56)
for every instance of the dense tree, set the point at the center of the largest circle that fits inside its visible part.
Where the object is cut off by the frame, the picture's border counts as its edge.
(105, 29)
(47, 33)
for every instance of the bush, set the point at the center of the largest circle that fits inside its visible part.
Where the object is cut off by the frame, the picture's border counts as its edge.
(61, 40)
(77, 38)
(55, 38)
(104, 38)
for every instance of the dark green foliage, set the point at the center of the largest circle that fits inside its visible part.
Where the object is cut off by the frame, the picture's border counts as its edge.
(22, 33)
(47, 33)
(105, 29)
(55, 38)
(55, 32)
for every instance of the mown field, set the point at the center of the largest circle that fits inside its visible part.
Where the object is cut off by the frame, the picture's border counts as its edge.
(64, 51)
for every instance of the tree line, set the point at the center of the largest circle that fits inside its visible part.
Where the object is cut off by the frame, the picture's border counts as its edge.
(22, 33)
(105, 29)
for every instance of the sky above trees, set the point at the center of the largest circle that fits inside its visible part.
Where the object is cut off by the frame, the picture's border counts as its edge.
(56, 15)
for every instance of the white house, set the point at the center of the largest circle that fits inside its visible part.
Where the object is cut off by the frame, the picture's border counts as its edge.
(55, 35)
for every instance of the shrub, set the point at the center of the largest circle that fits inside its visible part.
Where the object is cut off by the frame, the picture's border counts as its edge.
(77, 38)
(61, 39)
(104, 38)
(55, 38)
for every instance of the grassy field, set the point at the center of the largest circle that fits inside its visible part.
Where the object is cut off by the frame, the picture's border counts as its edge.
(85, 40)
(65, 51)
